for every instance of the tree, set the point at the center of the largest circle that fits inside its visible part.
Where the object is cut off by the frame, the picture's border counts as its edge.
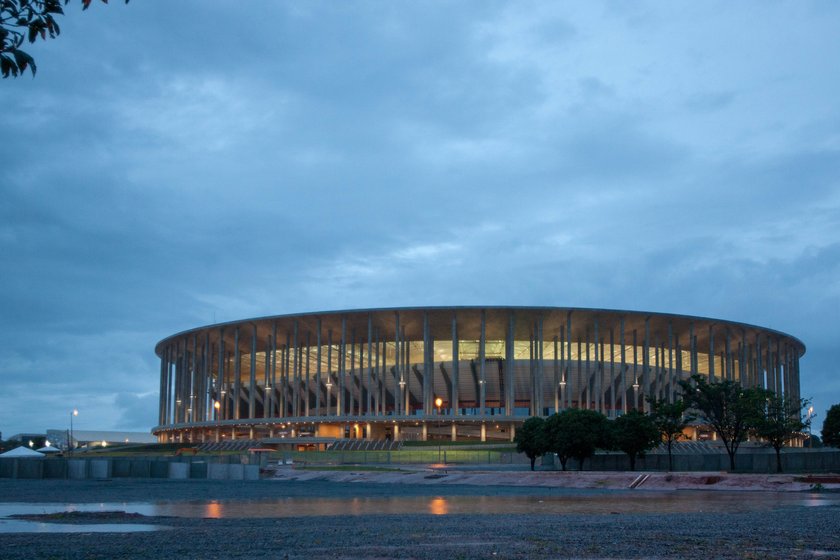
(725, 406)
(778, 421)
(670, 419)
(530, 439)
(813, 441)
(575, 433)
(634, 433)
(27, 20)
(831, 427)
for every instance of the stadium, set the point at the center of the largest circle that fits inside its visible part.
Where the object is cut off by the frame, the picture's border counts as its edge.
(454, 373)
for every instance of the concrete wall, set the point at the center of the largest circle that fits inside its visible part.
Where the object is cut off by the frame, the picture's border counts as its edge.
(238, 467)
(793, 461)
(232, 468)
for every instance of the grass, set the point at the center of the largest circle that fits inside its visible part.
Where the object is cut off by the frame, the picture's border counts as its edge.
(460, 443)
(350, 468)
(124, 450)
(406, 456)
(414, 452)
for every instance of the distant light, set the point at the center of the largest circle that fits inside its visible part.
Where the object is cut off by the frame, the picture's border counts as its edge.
(31, 443)
(47, 443)
(104, 444)
(75, 412)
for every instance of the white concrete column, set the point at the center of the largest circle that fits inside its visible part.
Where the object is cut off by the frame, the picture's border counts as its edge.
(425, 432)
(482, 379)
(454, 436)
(483, 431)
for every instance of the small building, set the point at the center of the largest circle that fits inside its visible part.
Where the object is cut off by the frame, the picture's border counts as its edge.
(97, 438)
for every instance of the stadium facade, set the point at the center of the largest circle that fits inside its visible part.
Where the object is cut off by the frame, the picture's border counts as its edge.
(453, 372)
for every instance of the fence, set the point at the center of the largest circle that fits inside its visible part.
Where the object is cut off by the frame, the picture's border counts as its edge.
(234, 467)
(428, 455)
(246, 467)
(746, 461)
(750, 460)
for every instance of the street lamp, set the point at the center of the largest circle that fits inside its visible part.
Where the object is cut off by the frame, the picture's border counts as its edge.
(438, 403)
(217, 405)
(70, 441)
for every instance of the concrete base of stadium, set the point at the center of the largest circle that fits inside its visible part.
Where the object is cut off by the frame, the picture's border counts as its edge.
(499, 429)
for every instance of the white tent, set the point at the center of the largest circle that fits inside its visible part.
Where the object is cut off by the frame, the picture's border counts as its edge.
(21, 452)
(48, 449)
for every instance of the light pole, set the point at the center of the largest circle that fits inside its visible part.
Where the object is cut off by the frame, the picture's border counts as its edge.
(70, 441)
(217, 405)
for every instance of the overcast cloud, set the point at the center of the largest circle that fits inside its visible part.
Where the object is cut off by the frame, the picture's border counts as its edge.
(179, 163)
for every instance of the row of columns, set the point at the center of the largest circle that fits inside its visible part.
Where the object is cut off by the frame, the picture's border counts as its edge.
(201, 377)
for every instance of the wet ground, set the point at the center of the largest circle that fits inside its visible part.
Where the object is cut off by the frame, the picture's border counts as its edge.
(267, 519)
(594, 503)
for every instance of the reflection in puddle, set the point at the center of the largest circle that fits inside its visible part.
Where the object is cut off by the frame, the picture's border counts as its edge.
(438, 506)
(213, 510)
(594, 504)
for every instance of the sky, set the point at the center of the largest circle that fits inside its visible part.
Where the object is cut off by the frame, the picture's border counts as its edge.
(176, 164)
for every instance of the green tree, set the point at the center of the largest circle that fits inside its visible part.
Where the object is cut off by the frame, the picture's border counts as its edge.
(576, 433)
(530, 439)
(670, 419)
(634, 433)
(778, 421)
(831, 427)
(725, 406)
(27, 20)
(813, 441)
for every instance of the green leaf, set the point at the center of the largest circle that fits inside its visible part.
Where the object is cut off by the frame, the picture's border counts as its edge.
(23, 61)
(7, 67)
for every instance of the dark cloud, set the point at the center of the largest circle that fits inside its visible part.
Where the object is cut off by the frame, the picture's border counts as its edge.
(175, 164)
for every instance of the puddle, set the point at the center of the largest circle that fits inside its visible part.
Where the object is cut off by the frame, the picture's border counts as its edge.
(557, 505)
(600, 503)
(22, 526)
